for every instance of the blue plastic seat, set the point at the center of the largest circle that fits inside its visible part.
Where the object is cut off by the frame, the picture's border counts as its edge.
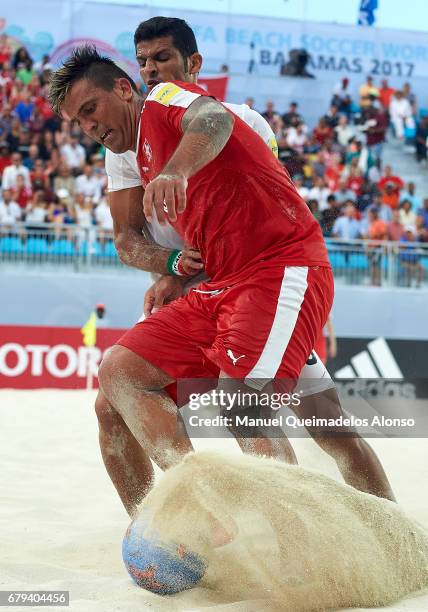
(358, 261)
(62, 247)
(37, 246)
(11, 244)
(110, 249)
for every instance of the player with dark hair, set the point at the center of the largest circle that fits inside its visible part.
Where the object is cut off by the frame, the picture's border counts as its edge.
(96, 122)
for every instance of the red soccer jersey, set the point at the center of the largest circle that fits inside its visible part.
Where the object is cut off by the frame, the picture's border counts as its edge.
(243, 211)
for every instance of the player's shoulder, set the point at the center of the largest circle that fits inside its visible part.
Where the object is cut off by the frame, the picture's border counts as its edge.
(175, 93)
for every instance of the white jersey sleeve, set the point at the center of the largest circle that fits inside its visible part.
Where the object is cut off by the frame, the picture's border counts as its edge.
(256, 122)
(122, 170)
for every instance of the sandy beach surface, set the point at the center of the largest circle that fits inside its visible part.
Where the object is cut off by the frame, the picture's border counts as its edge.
(61, 521)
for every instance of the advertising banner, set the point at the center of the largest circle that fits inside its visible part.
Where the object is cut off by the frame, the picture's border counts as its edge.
(50, 357)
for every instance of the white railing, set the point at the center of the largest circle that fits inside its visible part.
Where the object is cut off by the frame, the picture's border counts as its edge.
(354, 262)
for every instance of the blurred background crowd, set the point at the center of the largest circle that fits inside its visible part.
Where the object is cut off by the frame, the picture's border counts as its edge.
(52, 173)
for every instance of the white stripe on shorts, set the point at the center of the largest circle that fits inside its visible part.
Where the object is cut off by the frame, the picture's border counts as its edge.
(290, 299)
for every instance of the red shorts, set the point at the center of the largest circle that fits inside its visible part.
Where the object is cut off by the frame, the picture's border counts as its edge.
(261, 328)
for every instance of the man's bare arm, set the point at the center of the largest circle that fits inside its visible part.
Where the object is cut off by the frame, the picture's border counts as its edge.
(207, 126)
(136, 249)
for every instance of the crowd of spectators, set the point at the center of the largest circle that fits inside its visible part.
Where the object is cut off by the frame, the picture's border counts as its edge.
(50, 172)
(338, 168)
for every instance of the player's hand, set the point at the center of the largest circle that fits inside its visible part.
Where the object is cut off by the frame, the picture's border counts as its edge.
(166, 289)
(167, 194)
(191, 261)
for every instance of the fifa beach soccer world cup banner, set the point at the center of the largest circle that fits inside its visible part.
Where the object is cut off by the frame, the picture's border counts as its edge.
(244, 43)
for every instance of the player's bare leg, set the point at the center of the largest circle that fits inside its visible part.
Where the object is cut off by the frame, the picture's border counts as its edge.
(126, 462)
(355, 459)
(133, 388)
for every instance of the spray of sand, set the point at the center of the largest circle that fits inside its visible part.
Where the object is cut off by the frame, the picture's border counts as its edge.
(302, 541)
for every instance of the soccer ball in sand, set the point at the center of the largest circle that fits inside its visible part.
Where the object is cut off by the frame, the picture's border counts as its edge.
(159, 567)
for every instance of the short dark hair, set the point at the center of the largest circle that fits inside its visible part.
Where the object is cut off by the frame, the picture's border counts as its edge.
(182, 35)
(84, 63)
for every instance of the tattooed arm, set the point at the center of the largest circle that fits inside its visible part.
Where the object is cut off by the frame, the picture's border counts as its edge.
(207, 127)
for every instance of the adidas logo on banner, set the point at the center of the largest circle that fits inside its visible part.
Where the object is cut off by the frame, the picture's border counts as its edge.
(377, 362)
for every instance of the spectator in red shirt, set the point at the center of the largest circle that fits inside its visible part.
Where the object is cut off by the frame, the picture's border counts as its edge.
(5, 159)
(355, 179)
(395, 227)
(389, 177)
(5, 49)
(390, 196)
(322, 132)
(385, 94)
(21, 193)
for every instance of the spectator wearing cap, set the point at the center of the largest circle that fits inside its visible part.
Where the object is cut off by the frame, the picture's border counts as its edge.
(421, 140)
(366, 90)
(410, 194)
(73, 153)
(10, 211)
(407, 216)
(395, 227)
(385, 94)
(11, 172)
(292, 116)
(347, 226)
(87, 184)
(401, 113)
(249, 102)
